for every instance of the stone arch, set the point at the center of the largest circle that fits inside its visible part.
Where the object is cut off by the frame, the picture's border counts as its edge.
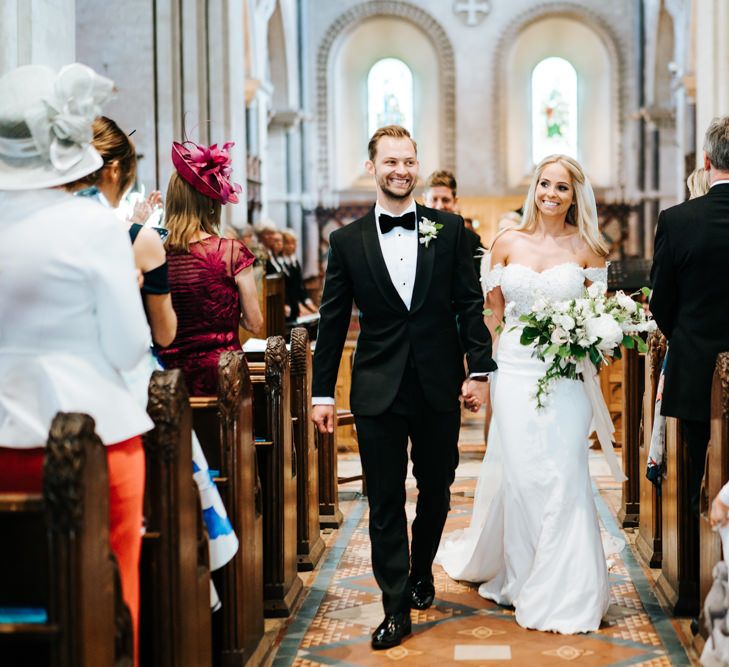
(346, 22)
(618, 83)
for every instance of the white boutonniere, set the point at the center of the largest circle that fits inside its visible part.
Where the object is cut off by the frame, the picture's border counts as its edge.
(428, 230)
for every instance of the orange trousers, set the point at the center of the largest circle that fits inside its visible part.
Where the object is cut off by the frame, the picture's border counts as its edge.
(21, 471)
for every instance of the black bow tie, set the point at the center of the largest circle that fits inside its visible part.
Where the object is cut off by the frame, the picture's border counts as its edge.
(388, 223)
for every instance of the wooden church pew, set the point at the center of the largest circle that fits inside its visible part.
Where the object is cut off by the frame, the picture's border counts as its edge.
(274, 301)
(678, 584)
(716, 473)
(55, 557)
(632, 401)
(224, 425)
(648, 539)
(310, 545)
(277, 469)
(330, 516)
(175, 625)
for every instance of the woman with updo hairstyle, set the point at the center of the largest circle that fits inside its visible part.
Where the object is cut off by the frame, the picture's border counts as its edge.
(213, 288)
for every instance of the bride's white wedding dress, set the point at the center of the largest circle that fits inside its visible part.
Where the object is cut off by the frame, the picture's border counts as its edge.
(534, 539)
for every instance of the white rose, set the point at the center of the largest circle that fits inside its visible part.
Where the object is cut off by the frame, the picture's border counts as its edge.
(566, 322)
(625, 302)
(540, 307)
(427, 227)
(597, 289)
(584, 342)
(607, 330)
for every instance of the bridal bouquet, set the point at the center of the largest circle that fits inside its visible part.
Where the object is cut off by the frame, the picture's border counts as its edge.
(569, 335)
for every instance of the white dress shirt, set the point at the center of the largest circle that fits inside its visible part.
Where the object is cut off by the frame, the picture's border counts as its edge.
(400, 251)
(71, 318)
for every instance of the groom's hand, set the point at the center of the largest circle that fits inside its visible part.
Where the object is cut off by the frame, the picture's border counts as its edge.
(475, 393)
(323, 417)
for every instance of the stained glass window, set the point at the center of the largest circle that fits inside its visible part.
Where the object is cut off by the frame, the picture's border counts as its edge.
(554, 109)
(390, 94)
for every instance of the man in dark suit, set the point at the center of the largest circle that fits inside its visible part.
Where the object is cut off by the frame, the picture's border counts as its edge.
(441, 193)
(409, 271)
(690, 300)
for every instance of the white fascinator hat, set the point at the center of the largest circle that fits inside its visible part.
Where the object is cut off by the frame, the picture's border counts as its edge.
(46, 125)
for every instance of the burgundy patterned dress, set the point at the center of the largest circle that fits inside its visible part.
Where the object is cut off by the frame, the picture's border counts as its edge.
(206, 300)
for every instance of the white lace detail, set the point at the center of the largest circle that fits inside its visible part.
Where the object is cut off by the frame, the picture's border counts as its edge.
(492, 278)
(596, 274)
(522, 285)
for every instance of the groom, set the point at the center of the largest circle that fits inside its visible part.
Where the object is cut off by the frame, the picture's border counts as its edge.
(420, 309)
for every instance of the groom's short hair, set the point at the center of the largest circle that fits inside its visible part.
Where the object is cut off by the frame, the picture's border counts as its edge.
(395, 131)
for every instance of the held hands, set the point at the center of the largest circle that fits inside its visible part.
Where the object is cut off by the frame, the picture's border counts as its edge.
(323, 416)
(475, 393)
(719, 514)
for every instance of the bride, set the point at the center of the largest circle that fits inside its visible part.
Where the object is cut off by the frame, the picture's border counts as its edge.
(534, 539)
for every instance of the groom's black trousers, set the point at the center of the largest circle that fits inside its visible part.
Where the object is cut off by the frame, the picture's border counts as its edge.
(383, 441)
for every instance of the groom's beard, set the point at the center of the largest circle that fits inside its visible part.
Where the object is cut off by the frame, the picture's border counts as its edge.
(399, 193)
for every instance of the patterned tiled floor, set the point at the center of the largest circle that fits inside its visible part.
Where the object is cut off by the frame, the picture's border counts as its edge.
(334, 623)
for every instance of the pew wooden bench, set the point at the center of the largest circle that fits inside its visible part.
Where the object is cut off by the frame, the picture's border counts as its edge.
(277, 468)
(56, 565)
(224, 426)
(648, 540)
(175, 616)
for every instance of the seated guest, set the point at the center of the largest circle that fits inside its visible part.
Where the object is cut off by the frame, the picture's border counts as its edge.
(70, 291)
(275, 263)
(264, 230)
(213, 289)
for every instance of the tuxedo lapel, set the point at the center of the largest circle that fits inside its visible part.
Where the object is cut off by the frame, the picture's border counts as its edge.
(423, 268)
(373, 255)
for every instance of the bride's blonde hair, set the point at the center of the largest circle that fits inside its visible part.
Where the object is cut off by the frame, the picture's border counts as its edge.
(580, 212)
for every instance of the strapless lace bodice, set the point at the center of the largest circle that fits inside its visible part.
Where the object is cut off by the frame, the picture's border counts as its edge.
(522, 285)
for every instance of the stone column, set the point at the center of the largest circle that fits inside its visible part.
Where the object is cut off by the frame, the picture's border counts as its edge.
(37, 32)
(227, 95)
(712, 65)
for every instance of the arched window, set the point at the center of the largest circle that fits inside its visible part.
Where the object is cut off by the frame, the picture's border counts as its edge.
(554, 109)
(390, 94)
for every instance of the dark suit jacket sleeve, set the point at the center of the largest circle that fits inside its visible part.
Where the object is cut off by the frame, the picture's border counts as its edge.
(334, 316)
(663, 279)
(469, 303)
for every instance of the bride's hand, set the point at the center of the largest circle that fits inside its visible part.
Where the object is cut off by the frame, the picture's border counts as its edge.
(475, 394)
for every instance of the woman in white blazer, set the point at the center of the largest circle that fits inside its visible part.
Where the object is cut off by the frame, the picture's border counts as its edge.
(71, 316)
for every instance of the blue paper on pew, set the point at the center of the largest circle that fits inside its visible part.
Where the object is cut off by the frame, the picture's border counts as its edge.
(23, 615)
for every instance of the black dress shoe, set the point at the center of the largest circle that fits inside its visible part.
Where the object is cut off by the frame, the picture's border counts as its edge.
(391, 631)
(422, 593)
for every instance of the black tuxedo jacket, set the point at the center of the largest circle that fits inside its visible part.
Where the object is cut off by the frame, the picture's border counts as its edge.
(444, 321)
(690, 301)
(474, 241)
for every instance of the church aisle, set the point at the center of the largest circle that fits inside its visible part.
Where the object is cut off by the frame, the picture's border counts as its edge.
(334, 623)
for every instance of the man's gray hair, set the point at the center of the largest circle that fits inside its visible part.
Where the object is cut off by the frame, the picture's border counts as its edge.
(716, 143)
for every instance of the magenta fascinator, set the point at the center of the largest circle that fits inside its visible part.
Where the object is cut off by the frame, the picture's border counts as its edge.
(207, 169)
